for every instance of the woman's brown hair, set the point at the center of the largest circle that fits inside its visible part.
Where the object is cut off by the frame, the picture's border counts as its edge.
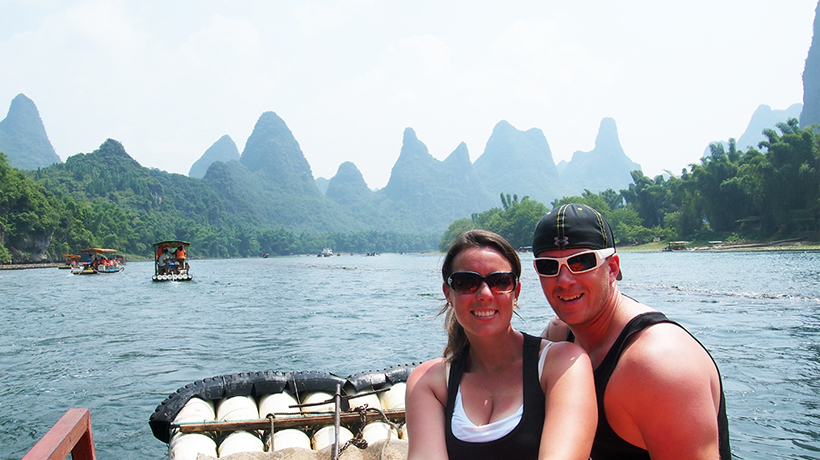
(457, 343)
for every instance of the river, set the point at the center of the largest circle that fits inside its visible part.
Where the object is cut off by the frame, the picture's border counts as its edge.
(119, 344)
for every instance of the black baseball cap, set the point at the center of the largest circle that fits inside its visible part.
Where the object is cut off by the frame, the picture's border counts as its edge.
(572, 226)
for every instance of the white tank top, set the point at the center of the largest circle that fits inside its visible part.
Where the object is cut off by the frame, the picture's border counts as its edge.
(466, 430)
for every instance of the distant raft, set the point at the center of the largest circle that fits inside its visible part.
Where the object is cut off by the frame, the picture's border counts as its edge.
(171, 261)
(286, 415)
(92, 261)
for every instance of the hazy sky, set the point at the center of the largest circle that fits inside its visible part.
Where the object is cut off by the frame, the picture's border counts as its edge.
(169, 78)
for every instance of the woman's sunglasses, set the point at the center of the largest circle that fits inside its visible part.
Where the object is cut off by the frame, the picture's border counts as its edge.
(577, 263)
(470, 282)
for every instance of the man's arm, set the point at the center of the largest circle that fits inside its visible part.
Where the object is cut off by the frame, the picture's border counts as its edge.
(556, 330)
(664, 396)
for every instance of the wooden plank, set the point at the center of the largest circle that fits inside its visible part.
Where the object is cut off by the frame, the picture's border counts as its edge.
(70, 435)
(283, 421)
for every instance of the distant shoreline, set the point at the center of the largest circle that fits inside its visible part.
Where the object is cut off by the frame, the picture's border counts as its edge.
(749, 246)
(24, 266)
(649, 247)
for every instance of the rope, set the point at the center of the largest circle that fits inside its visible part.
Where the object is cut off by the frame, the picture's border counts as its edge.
(270, 417)
(359, 440)
(295, 389)
(395, 426)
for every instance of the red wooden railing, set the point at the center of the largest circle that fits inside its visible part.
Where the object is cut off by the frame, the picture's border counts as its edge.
(70, 435)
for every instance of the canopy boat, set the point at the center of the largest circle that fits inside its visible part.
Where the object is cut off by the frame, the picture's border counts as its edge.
(70, 261)
(676, 246)
(280, 411)
(326, 252)
(170, 261)
(98, 260)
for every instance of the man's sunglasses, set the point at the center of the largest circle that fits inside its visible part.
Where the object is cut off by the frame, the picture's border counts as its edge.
(470, 282)
(577, 263)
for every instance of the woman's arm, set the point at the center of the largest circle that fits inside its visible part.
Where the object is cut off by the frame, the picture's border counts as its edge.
(571, 408)
(425, 400)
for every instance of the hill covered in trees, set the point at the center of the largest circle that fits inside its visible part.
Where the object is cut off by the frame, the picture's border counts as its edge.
(771, 192)
(266, 200)
(106, 199)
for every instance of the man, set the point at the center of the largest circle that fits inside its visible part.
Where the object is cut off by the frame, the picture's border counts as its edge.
(180, 256)
(659, 391)
(164, 258)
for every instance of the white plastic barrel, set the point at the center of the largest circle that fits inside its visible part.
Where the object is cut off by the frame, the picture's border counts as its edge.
(315, 397)
(240, 441)
(186, 446)
(277, 403)
(372, 400)
(237, 408)
(196, 410)
(290, 437)
(376, 431)
(394, 397)
(325, 436)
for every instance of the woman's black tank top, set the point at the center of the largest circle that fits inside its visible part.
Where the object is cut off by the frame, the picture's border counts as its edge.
(525, 439)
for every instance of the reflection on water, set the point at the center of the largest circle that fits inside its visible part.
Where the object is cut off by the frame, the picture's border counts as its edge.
(119, 344)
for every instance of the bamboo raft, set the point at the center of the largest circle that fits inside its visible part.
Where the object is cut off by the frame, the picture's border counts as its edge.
(272, 411)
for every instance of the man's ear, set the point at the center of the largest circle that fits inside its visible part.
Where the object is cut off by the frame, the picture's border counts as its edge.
(614, 267)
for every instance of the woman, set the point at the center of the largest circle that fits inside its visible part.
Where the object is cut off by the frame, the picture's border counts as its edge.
(497, 393)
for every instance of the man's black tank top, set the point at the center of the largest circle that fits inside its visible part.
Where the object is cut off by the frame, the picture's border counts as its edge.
(607, 444)
(524, 440)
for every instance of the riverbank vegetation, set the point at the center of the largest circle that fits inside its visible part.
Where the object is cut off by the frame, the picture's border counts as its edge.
(106, 199)
(770, 192)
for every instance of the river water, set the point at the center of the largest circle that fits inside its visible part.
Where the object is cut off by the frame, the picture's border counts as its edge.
(119, 344)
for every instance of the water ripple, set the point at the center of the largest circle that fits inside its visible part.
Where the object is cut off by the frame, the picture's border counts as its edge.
(120, 344)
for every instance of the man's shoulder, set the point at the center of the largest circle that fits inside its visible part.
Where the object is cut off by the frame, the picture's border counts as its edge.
(660, 354)
(663, 377)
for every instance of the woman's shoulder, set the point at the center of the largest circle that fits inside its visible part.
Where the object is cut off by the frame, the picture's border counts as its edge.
(563, 350)
(429, 377)
(432, 369)
(562, 356)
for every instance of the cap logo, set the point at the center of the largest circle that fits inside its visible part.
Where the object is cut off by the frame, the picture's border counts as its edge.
(560, 242)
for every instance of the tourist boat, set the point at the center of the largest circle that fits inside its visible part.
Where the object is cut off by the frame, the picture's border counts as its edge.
(676, 246)
(326, 252)
(98, 260)
(317, 411)
(170, 261)
(70, 261)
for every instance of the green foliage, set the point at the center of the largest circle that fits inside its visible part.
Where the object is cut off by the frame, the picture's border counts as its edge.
(516, 222)
(729, 195)
(5, 255)
(28, 215)
(106, 199)
(458, 227)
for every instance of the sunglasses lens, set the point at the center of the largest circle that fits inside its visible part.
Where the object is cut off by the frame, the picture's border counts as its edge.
(465, 283)
(468, 282)
(546, 267)
(582, 262)
(501, 282)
